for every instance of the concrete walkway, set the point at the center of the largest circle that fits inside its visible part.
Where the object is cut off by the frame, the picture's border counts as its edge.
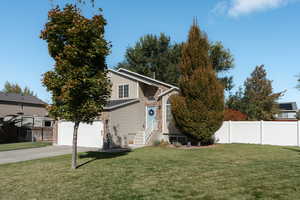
(36, 153)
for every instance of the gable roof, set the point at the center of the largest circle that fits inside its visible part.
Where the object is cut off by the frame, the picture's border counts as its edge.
(140, 78)
(167, 92)
(112, 104)
(18, 98)
(130, 77)
(125, 71)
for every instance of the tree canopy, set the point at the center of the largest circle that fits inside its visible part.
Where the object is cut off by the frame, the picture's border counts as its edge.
(198, 109)
(257, 101)
(78, 83)
(157, 55)
(16, 88)
(154, 56)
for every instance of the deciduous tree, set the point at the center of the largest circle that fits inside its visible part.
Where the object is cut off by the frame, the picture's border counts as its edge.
(16, 88)
(78, 83)
(198, 109)
(234, 115)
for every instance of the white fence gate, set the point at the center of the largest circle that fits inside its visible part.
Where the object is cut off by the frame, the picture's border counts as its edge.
(259, 132)
(88, 135)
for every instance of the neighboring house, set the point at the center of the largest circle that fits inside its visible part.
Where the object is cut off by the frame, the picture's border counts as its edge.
(23, 117)
(288, 111)
(16, 104)
(138, 113)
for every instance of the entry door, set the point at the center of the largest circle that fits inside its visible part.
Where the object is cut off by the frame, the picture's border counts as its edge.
(151, 116)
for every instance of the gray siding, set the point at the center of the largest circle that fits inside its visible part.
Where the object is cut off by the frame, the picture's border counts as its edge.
(11, 109)
(34, 110)
(117, 80)
(126, 120)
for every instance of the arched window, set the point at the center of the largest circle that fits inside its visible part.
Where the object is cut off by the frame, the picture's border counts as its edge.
(169, 116)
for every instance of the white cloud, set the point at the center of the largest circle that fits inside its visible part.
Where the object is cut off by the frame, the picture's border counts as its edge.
(242, 7)
(221, 8)
(235, 8)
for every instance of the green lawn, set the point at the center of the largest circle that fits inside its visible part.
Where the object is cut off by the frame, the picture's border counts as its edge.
(23, 145)
(221, 172)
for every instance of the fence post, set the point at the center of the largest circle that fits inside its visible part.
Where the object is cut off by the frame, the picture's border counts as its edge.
(298, 129)
(261, 131)
(229, 131)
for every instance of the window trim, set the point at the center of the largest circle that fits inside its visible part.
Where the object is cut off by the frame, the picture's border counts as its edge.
(121, 91)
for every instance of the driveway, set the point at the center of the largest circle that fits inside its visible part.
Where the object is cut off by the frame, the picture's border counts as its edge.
(36, 153)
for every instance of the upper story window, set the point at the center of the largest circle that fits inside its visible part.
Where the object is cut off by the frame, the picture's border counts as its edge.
(123, 91)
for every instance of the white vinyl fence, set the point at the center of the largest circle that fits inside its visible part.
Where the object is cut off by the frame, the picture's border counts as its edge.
(259, 132)
(88, 135)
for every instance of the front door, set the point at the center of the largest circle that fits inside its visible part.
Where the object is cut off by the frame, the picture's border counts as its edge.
(151, 117)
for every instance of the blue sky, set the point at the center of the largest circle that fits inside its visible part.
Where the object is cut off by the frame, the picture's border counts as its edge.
(256, 31)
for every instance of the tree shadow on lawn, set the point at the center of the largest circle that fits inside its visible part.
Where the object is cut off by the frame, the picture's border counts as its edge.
(96, 155)
(296, 149)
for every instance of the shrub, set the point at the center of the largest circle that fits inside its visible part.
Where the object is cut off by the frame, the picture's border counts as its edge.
(234, 115)
(156, 143)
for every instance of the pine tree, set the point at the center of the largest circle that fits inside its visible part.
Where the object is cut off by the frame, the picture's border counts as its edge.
(259, 100)
(199, 108)
(158, 55)
(154, 55)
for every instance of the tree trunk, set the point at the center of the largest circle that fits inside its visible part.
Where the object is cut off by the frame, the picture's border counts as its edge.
(74, 147)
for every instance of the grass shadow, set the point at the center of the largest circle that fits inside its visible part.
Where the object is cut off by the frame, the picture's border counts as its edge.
(296, 149)
(96, 155)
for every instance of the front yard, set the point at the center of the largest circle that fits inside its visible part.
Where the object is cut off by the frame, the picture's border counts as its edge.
(23, 145)
(220, 172)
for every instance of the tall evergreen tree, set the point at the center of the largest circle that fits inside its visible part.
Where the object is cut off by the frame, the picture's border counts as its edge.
(154, 56)
(222, 61)
(198, 109)
(157, 55)
(257, 101)
(261, 102)
(78, 83)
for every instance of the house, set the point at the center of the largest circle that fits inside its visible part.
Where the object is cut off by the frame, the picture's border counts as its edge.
(287, 111)
(25, 115)
(27, 107)
(139, 110)
(137, 113)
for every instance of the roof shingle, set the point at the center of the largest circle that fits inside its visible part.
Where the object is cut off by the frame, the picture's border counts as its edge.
(18, 98)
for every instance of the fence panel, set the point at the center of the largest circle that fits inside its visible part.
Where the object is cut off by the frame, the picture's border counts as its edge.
(280, 133)
(259, 132)
(222, 135)
(245, 132)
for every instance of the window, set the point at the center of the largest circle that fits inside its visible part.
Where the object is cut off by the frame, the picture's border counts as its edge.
(169, 116)
(126, 90)
(47, 124)
(123, 91)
